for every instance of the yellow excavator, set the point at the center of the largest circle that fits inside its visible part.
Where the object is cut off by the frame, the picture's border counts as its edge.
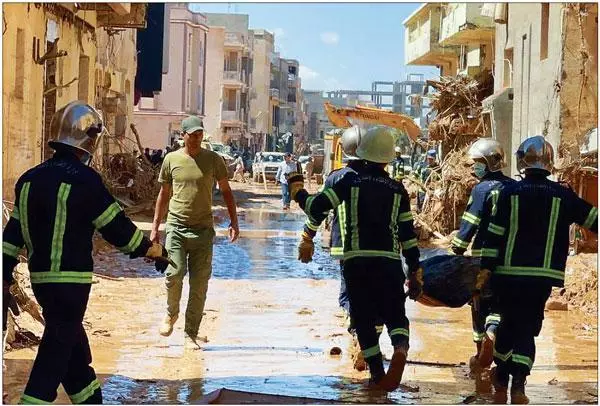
(338, 116)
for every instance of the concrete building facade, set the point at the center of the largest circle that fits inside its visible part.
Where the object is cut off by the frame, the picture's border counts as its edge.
(158, 118)
(260, 125)
(57, 53)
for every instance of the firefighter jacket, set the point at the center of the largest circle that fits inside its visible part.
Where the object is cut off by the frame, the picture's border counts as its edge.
(375, 220)
(59, 204)
(336, 247)
(397, 168)
(476, 218)
(528, 237)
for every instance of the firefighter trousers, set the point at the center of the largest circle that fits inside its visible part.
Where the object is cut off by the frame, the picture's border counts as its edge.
(376, 289)
(64, 355)
(484, 317)
(521, 306)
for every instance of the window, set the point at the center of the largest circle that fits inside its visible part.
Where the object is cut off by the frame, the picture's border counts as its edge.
(463, 58)
(230, 99)
(83, 82)
(189, 47)
(231, 60)
(188, 94)
(544, 31)
(201, 53)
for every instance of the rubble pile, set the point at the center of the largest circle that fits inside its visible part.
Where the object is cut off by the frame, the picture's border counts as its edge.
(448, 191)
(458, 118)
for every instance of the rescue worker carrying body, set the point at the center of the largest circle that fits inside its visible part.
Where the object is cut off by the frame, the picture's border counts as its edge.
(529, 237)
(350, 141)
(487, 159)
(378, 228)
(398, 165)
(59, 205)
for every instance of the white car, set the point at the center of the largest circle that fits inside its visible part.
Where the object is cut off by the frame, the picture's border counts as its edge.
(269, 161)
(226, 157)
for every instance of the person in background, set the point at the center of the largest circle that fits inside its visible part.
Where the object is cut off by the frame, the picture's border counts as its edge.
(286, 167)
(310, 165)
(425, 173)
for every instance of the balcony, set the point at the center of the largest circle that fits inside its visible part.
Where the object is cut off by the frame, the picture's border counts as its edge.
(463, 24)
(274, 93)
(231, 117)
(234, 40)
(233, 78)
(421, 37)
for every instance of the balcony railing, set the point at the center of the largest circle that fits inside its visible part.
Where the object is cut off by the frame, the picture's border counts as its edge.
(228, 115)
(274, 93)
(234, 39)
(232, 75)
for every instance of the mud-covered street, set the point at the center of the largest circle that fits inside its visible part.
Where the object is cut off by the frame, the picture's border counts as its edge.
(270, 323)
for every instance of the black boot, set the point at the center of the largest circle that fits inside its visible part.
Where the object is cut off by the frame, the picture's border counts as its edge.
(517, 390)
(500, 378)
(376, 369)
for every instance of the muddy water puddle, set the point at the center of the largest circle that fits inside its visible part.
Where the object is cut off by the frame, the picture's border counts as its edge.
(270, 323)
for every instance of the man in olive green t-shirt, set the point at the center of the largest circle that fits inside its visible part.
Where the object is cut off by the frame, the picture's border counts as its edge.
(187, 177)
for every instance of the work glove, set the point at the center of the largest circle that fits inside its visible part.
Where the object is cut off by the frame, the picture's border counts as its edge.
(415, 284)
(482, 278)
(8, 302)
(295, 183)
(158, 253)
(306, 248)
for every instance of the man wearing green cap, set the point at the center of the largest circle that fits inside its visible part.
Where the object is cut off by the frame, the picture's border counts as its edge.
(187, 177)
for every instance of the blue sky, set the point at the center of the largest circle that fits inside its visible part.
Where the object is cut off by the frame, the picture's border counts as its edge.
(338, 45)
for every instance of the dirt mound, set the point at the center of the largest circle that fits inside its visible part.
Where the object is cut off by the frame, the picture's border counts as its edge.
(581, 284)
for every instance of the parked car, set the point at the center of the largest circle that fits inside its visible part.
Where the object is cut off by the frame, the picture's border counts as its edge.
(269, 161)
(303, 160)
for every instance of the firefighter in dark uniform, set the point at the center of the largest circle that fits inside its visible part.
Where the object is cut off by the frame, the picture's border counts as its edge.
(426, 170)
(378, 230)
(487, 159)
(349, 140)
(528, 242)
(398, 165)
(59, 204)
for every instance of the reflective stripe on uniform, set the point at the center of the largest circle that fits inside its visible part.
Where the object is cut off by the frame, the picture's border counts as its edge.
(530, 271)
(61, 277)
(408, 216)
(478, 336)
(342, 221)
(311, 226)
(135, 242)
(333, 199)
(592, 216)
(522, 359)
(309, 201)
(498, 230)
(471, 218)
(86, 392)
(406, 245)
(337, 252)
(489, 253)
(10, 250)
(15, 213)
(460, 243)
(394, 222)
(371, 253)
(551, 231)
(107, 216)
(399, 331)
(475, 253)
(30, 400)
(503, 357)
(371, 351)
(354, 217)
(60, 222)
(512, 231)
(25, 220)
(494, 194)
(492, 319)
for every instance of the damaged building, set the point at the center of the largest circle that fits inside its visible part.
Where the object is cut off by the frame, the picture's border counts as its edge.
(54, 53)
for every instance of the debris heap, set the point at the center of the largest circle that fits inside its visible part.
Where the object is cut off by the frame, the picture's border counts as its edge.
(457, 123)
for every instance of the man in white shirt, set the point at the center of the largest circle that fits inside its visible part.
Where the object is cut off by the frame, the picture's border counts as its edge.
(287, 166)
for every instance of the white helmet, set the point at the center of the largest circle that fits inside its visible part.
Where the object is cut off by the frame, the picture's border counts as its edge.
(377, 145)
(350, 140)
(535, 153)
(490, 151)
(398, 150)
(77, 126)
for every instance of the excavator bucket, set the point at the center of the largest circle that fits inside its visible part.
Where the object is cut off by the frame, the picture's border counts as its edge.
(339, 117)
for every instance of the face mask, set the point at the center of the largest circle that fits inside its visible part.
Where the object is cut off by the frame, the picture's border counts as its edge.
(479, 169)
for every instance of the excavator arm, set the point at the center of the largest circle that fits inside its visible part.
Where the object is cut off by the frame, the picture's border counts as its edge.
(339, 118)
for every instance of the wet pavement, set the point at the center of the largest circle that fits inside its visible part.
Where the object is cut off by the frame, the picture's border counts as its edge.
(270, 323)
